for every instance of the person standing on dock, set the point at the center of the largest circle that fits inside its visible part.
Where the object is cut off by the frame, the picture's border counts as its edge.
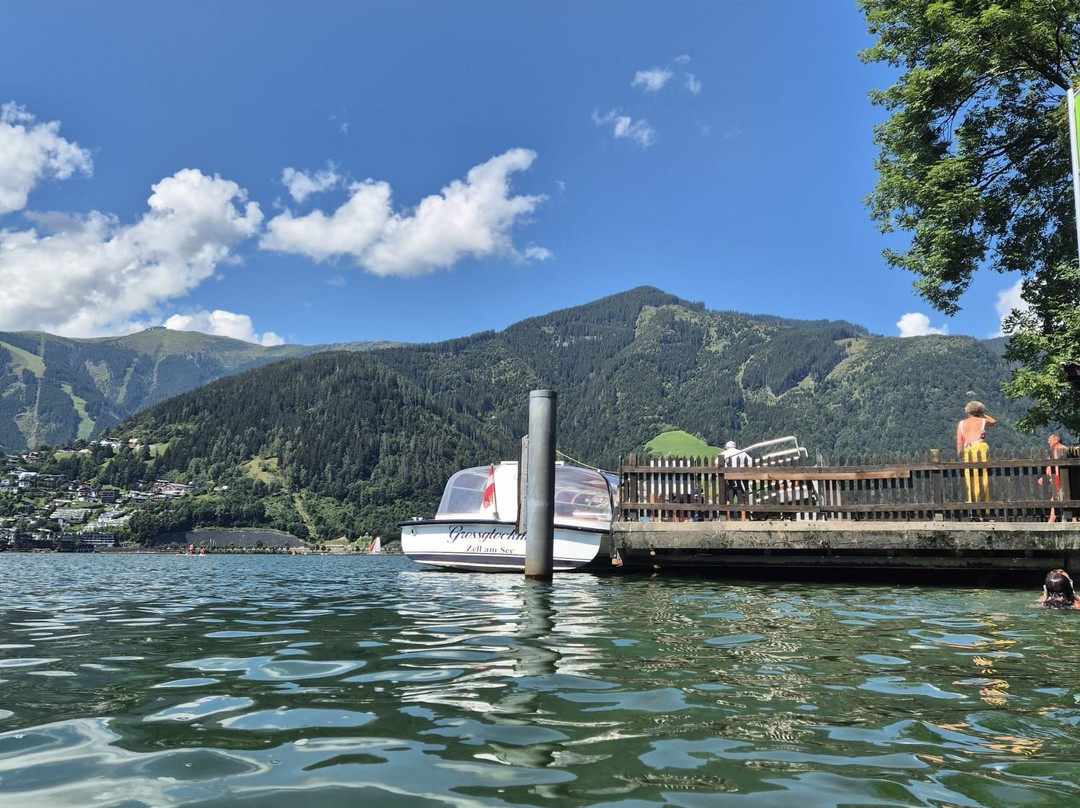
(1053, 473)
(735, 457)
(971, 448)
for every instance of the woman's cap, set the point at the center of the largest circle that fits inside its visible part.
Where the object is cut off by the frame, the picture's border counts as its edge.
(729, 445)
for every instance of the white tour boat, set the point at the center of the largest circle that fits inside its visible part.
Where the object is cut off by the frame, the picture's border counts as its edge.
(476, 526)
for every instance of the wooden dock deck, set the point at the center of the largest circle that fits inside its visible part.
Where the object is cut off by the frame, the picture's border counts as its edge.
(901, 518)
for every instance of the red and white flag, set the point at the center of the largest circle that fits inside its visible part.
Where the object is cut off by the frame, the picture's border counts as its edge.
(489, 493)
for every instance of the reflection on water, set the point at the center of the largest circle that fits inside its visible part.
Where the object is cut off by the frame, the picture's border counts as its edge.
(135, 681)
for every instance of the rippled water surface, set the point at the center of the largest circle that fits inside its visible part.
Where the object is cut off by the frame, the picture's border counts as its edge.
(278, 681)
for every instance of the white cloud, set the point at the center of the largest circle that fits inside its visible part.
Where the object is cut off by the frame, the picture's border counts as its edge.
(693, 84)
(622, 126)
(534, 253)
(682, 59)
(342, 120)
(302, 184)
(652, 80)
(473, 218)
(93, 276)
(222, 324)
(31, 152)
(336, 280)
(1007, 301)
(916, 324)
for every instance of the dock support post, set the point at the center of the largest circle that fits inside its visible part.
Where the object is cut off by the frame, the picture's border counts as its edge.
(937, 484)
(540, 487)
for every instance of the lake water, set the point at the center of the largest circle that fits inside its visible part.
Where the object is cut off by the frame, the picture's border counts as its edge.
(319, 682)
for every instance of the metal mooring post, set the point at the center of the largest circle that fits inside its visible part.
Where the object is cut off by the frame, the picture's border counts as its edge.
(540, 487)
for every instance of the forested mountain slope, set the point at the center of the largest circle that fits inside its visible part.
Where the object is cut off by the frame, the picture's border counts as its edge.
(343, 443)
(630, 366)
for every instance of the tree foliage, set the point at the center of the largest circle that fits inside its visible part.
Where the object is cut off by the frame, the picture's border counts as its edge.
(975, 165)
(1043, 338)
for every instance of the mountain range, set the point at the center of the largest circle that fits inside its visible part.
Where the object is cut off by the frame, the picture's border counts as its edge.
(630, 366)
(56, 390)
(643, 359)
(326, 442)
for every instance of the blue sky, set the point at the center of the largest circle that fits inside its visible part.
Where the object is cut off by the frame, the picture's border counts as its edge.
(328, 172)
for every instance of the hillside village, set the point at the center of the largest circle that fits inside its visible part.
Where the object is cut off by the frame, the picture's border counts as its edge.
(50, 512)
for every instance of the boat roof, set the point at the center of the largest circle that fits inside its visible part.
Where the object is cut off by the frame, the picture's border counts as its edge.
(577, 489)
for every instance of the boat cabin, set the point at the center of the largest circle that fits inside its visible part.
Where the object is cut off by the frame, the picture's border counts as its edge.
(580, 494)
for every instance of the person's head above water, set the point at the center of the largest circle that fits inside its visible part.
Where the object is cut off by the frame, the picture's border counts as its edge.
(1058, 589)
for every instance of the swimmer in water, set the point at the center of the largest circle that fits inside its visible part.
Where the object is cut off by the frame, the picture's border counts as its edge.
(1058, 591)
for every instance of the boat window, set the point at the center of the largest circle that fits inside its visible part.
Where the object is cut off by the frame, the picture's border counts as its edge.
(581, 494)
(464, 492)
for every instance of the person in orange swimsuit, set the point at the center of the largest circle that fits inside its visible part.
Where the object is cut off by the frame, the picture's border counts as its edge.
(971, 447)
(1053, 473)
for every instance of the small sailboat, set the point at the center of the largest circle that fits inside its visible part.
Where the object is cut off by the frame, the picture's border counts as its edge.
(375, 548)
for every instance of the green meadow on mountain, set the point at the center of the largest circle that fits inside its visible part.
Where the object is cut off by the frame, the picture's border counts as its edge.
(677, 443)
(346, 443)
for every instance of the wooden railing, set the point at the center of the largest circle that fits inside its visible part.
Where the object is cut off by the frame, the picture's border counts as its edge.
(931, 486)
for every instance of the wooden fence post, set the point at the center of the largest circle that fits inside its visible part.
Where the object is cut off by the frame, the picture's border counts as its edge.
(937, 484)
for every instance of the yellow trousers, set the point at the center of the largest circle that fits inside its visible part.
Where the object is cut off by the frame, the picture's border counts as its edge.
(976, 480)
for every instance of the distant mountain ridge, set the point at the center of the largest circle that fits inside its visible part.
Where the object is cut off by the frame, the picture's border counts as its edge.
(54, 390)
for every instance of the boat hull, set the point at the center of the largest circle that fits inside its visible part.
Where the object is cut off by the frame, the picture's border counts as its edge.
(494, 546)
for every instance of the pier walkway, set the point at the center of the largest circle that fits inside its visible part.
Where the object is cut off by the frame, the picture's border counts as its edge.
(911, 517)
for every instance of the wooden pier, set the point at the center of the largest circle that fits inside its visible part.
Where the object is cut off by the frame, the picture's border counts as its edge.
(924, 517)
